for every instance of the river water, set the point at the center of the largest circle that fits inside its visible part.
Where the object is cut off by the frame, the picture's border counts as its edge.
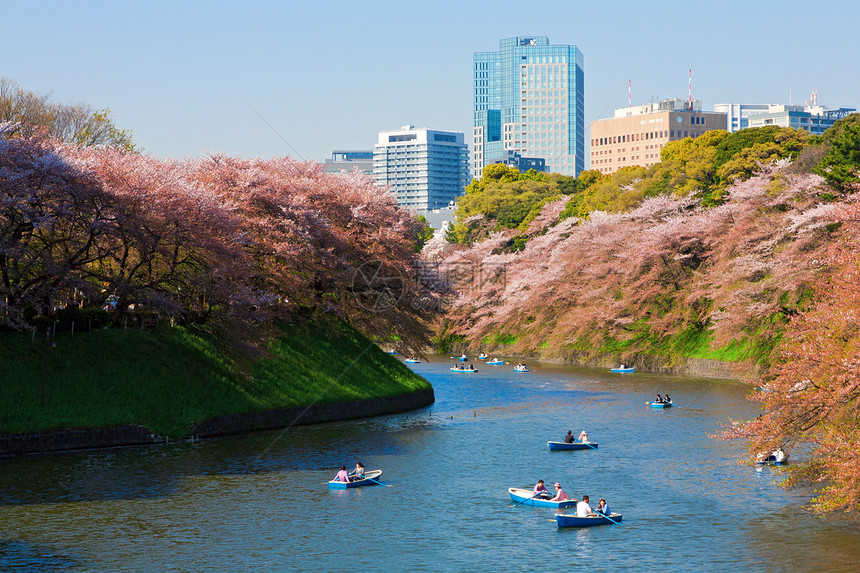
(260, 502)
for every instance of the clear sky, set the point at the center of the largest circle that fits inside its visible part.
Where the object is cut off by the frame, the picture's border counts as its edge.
(194, 77)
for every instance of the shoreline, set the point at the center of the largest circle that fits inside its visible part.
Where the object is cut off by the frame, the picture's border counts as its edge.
(72, 439)
(701, 367)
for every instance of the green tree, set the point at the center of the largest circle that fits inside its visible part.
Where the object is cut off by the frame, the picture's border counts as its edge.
(841, 166)
(80, 124)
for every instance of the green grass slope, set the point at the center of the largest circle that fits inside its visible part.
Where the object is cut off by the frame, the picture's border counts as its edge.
(168, 378)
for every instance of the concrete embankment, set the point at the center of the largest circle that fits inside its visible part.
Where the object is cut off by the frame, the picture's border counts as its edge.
(227, 425)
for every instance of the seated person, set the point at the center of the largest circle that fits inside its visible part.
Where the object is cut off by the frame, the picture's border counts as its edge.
(342, 475)
(359, 470)
(583, 509)
(667, 399)
(540, 491)
(583, 437)
(778, 455)
(603, 507)
(559, 494)
(568, 439)
(659, 399)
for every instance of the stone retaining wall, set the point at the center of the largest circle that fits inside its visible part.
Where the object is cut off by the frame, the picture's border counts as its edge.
(233, 424)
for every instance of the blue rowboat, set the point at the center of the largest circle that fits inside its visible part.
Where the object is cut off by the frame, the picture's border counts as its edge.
(564, 520)
(523, 369)
(391, 352)
(482, 357)
(623, 370)
(660, 404)
(462, 370)
(355, 481)
(524, 497)
(495, 362)
(412, 361)
(555, 446)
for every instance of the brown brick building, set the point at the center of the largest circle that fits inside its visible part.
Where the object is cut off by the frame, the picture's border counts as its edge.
(636, 135)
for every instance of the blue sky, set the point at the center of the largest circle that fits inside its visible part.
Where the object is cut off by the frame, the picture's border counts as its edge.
(194, 77)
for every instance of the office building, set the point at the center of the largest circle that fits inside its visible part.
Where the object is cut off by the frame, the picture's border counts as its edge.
(636, 135)
(737, 114)
(425, 168)
(349, 160)
(528, 99)
(812, 118)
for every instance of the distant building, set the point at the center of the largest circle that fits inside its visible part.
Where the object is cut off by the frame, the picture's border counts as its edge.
(426, 168)
(636, 135)
(737, 114)
(529, 99)
(523, 164)
(349, 160)
(812, 118)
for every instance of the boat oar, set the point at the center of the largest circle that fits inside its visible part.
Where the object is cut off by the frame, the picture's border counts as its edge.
(589, 445)
(525, 500)
(609, 518)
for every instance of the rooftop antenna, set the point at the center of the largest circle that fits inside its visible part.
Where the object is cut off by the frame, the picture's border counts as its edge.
(629, 93)
(690, 87)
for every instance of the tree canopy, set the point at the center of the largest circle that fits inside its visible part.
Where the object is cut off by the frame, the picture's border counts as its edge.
(30, 113)
(221, 244)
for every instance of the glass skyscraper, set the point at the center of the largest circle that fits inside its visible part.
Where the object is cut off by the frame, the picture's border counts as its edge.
(528, 99)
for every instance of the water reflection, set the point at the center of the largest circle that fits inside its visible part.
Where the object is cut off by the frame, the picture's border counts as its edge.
(260, 502)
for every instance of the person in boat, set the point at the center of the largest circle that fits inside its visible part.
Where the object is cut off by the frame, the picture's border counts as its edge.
(583, 437)
(342, 475)
(568, 439)
(358, 471)
(583, 509)
(471, 366)
(559, 493)
(667, 399)
(540, 490)
(463, 356)
(778, 455)
(659, 399)
(602, 507)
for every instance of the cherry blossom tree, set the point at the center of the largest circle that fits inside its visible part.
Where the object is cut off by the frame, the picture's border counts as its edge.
(811, 395)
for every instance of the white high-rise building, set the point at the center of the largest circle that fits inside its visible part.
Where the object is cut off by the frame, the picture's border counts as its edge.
(426, 168)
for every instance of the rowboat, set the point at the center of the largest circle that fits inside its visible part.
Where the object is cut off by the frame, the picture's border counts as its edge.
(392, 351)
(555, 446)
(623, 370)
(462, 370)
(495, 362)
(412, 361)
(482, 356)
(524, 497)
(771, 460)
(370, 478)
(565, 520)
(521, 369)
(660, 404)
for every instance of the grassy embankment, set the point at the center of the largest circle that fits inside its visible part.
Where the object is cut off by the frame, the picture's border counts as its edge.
(166, 379)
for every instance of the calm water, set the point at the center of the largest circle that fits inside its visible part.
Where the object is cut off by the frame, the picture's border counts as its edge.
(260, 503)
